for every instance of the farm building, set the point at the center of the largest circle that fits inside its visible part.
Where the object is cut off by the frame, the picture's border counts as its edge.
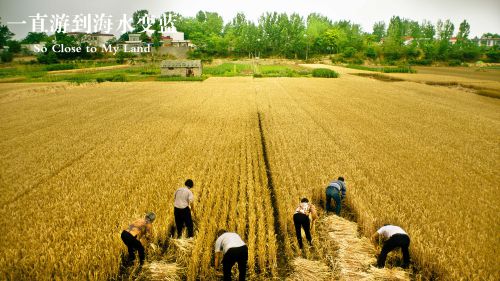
(185, 68)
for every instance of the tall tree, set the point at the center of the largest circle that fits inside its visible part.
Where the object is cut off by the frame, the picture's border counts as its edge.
(316, 25)
(139, 21)
(445, 30)
(271, 32)
(334, 39)
(395, 31)
(427, 29)
(5, 34)
(378, 31)
(463, 32)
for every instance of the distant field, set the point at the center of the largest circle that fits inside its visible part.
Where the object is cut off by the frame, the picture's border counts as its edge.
(79, 162)
(483, 73)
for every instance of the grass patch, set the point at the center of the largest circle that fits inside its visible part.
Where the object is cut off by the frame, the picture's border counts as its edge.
(384, 69)
(324, 73)
(228, 70)
(281, 71)
(494, 67)
(380, 77)
(276, 71)
(60, 66)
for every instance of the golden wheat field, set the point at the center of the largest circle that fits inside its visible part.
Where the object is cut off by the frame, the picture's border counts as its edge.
(80, 162)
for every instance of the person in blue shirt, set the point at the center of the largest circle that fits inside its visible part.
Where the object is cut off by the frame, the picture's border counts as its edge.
(336, 190)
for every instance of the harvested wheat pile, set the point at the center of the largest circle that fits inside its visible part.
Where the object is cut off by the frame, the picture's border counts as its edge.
(161, 270)
(356, 255)
(304, 269)
(180, 249)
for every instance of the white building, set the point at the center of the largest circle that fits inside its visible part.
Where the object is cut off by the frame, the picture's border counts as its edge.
(489, 41)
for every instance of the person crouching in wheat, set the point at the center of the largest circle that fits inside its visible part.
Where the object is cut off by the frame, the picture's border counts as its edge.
(301, 220)
(132, 235)
(230, 249)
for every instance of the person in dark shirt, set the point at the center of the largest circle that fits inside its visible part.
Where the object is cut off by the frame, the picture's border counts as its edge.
(336, 190)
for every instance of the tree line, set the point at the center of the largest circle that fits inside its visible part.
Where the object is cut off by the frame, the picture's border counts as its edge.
(295, 37)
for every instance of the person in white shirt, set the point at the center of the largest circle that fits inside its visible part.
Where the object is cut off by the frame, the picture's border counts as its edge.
(184, 208)
(395, 237)
(301, 220)
(231, 247)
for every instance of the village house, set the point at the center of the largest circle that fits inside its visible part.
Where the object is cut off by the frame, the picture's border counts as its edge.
(134, 43)
(183, 68)
(489, 41)
(171, 43)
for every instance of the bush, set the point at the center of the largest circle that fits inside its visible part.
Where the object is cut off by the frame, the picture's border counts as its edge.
(493, 55)
(115, 78)
(120, 57)
(6, 56)
(325, 73)
(118, 78)
(355, 61)
(454, 62)
(421, 62)
(348, 52)
(47, 58)
(371, 53)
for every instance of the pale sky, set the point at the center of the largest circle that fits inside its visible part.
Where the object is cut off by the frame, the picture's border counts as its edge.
(482, 15)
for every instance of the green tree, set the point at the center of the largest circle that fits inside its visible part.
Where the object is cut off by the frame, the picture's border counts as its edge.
(463, 32)
(14, 46)
(5, 34)
(35, 37)
(271, 33)
(137, 17)
(316, 25)
(292, 35)
(123, 37)
(444, 32)
(427, 30)
(333, 40)
(393, 44)
(395, 32)
(379, 31)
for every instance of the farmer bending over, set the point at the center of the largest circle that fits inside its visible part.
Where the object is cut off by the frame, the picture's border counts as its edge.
(234, 250)
(395, 238)
(301, 220)
(336, 191)
(132, 235)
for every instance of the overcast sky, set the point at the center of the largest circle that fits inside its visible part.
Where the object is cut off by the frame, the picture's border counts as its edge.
(482, 15)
